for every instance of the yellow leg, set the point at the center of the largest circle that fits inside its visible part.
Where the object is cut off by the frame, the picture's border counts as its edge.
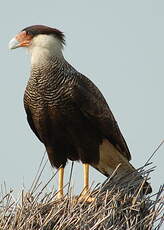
(85, 193)
(60, 183)
(86, 178)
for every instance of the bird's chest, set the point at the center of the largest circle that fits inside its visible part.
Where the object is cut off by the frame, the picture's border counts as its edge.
(50, 103)
(48, 93)
(49, 113)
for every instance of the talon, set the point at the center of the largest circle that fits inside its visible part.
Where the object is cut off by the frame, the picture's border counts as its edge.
(86, 198)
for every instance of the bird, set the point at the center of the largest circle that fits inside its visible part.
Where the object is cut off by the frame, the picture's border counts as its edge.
(67, 112)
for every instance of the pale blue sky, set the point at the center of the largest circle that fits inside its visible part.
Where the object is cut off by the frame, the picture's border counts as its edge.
(119, 45)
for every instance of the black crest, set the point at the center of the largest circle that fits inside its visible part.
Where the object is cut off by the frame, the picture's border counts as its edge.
(41, 29)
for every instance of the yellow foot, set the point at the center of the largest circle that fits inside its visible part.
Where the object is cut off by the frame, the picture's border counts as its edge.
(86, 198)
(59, 196)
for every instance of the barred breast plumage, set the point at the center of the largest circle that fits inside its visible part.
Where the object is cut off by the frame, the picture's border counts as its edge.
(66, 111)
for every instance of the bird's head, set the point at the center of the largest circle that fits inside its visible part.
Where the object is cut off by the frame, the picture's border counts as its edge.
(39, 37)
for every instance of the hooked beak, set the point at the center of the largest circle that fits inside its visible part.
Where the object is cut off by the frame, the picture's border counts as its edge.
(13, 44)
(21, 40)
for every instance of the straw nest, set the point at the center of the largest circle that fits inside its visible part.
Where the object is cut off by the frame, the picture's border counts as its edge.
(119, 204)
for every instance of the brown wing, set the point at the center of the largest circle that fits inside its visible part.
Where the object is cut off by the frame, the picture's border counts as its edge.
(93, 105)
(31, 122)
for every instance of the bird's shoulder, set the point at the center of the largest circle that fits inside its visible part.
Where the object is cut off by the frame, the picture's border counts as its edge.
(88, 95)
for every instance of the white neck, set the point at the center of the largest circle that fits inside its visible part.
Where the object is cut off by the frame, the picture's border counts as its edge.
(43, 47)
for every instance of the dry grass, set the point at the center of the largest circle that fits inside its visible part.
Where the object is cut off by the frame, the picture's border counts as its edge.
(119, 204)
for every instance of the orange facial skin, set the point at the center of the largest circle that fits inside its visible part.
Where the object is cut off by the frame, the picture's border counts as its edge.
(24, 39)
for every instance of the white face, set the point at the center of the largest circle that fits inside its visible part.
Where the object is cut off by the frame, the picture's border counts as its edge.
(43, 46)
(45, 42)
(40, 47)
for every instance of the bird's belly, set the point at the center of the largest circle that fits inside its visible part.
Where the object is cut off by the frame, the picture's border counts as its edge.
(68, 134)
(49, 125)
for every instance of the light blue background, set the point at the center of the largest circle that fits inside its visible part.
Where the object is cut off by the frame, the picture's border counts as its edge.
(119, 45)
